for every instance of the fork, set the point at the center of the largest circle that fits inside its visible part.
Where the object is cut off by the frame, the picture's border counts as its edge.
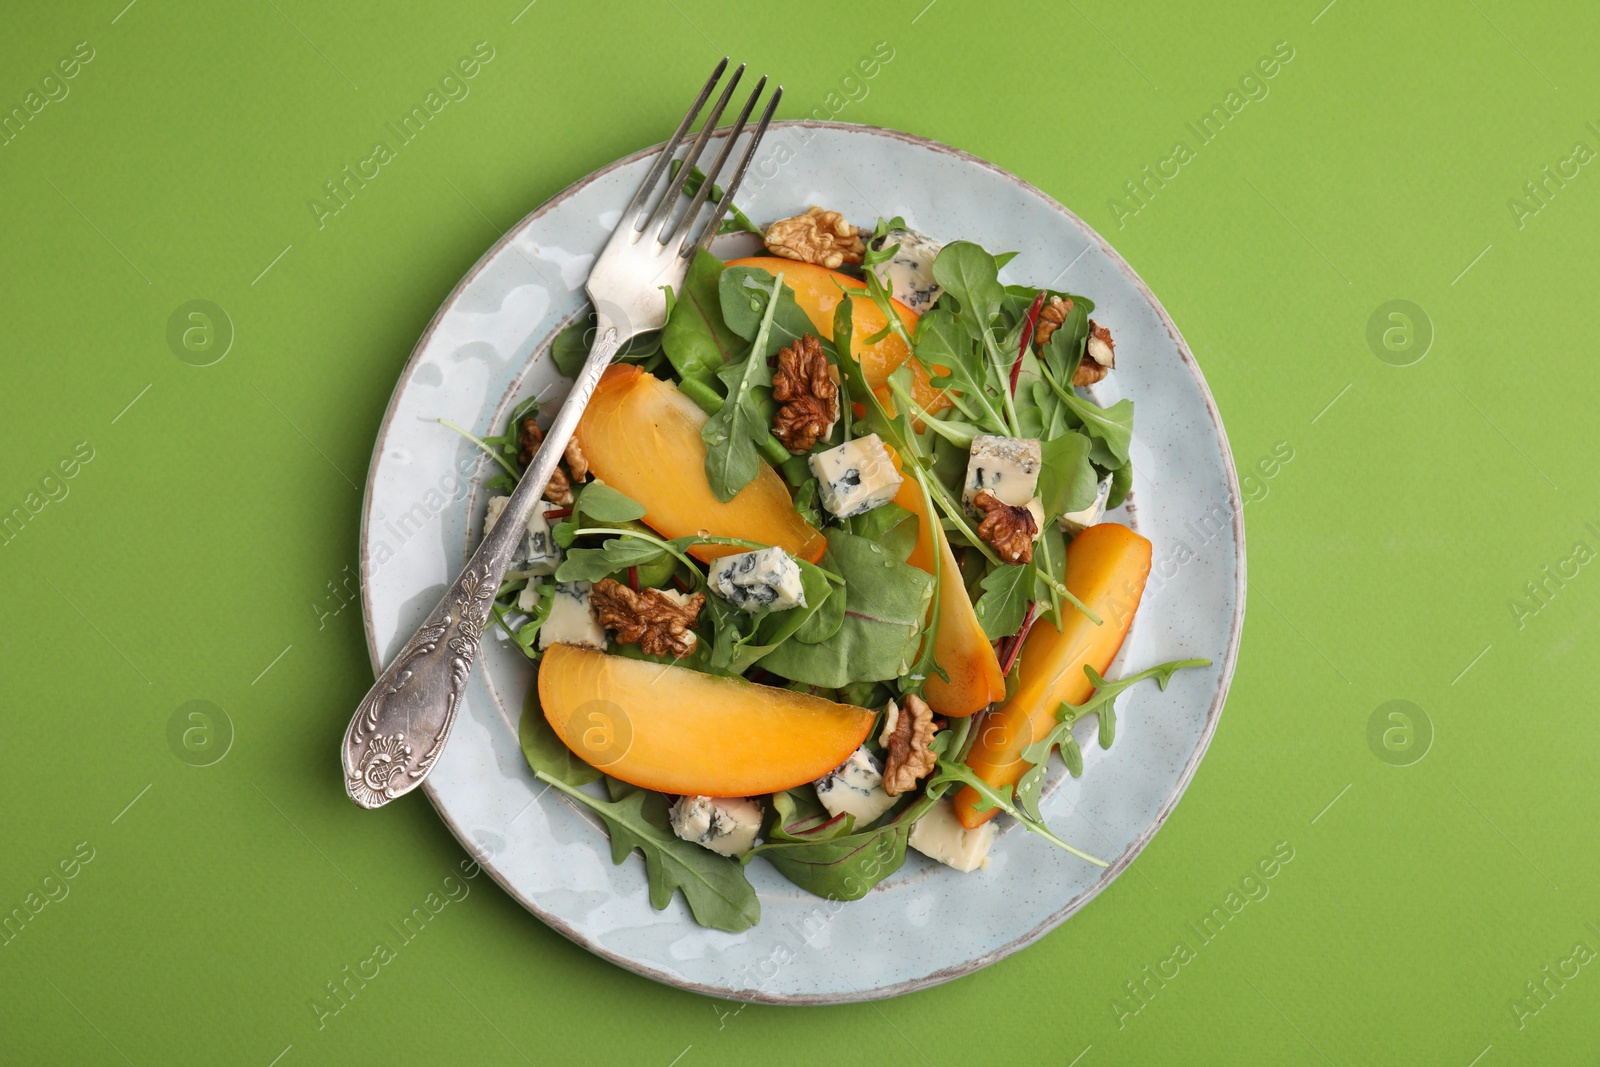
(400, 727)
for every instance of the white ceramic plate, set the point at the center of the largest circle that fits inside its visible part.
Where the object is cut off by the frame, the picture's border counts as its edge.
(485, 351)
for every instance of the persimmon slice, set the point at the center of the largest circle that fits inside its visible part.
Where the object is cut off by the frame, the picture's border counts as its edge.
(675, 730)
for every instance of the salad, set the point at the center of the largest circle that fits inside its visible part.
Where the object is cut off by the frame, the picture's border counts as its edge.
(823, 575)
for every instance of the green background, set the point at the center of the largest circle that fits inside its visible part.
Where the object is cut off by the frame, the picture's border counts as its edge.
(200, 554)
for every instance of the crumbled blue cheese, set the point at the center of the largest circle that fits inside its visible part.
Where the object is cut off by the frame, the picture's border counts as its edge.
(908, 274)
(528, 597)
(1006, 466)
(497, 507)
(751, 581)
(539, 554)
(572, 620)
(725, 825)
(1078, 521)
(857, 476)
(940, 836)
(855, 788)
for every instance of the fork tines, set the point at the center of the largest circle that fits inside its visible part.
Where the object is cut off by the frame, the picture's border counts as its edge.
(677, 225)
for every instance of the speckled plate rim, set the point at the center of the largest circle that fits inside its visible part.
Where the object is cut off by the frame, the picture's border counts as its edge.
(1213, 713)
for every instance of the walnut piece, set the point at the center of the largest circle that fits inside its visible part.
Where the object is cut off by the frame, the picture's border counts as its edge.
(529, 438)
(818, 236)
(1051, 316)
(1008, 529)
(559, 490)
(907, 735)
(577, 462)
(1099, 356)
(808, 396)
(659, 621)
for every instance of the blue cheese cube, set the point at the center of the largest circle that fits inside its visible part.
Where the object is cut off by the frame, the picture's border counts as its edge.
(857, 476)
(1006, 466)
(766, 579)
(539, 554)
(1074, 522)
(908, 274)
(855, 788)
(940, 836)
(725, 825)
(572, 620)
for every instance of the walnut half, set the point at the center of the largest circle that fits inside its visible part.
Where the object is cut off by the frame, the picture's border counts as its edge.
(808, 396)
(1099, 356)
(1008, 529)
(1051, 316)
(659, 621)
(907, 735)
(818, 236)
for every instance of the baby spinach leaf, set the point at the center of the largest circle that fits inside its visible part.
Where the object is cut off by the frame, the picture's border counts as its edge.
(600, 501)
(1067, 481)
(1121, 482)
(570, 348)
(715, 887)
(746, 294)
(696, 340)
(826, 620)
(882, 627)
(1007, 592)
(777, 627)
(840, 868)
(733, 435)
(799, 816)
(546, 752)
(891, 525)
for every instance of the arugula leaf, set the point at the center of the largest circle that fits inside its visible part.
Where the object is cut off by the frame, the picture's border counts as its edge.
(616, 554)
(746, 297)
(1067, 481)
(970, 274)
(1064, 351)
(881, 631)
(1007, 592)
(715, 887)
(1103, 703)
(1121, 482)
(948, 773)
(696, 339)
(1111, 428)
(939, 342)
(545, 751)
(736, 222)
(599, 501)
(732, 435)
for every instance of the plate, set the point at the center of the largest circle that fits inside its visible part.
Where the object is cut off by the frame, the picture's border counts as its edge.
(423, 513)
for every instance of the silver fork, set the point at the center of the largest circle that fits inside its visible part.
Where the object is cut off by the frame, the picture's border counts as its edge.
(402, 724)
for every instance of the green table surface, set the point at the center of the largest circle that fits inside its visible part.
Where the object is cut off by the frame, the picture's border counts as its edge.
(1427, 540)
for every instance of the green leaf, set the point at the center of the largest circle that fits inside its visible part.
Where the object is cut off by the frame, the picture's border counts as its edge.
(733, 435)
(844, 867)
(746, 294)
(940, 342)
(715, 887)
(1103, 704)
(599, 501)
(970, 274)
(570, 348)
(779, 626)
(1111, 428)
(891, 525)
(826, 620)
(881, 631)
(1121, 482)
(1007, 592)
(1064, 351)
(619, 553)
(545, 751)
(1067, 481)
(799, 816)
(696, 340)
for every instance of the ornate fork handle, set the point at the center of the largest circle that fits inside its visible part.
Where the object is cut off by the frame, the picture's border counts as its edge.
(401, 726)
